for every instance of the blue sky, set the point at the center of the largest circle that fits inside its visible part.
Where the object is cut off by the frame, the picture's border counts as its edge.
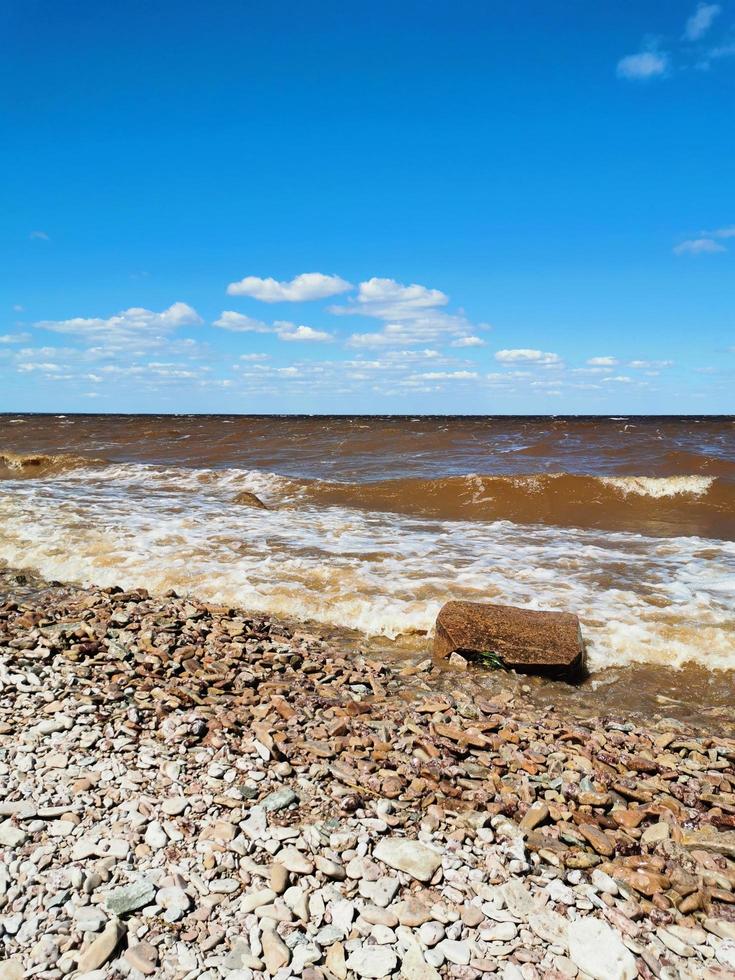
(387, 207)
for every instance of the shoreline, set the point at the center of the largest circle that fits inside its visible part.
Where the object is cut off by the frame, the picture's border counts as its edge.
(277, 805)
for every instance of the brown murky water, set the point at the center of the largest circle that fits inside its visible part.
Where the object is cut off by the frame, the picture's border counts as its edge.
(374, 522)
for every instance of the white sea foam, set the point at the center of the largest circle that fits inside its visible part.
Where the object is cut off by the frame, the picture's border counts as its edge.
(643, 599)
(659, 486)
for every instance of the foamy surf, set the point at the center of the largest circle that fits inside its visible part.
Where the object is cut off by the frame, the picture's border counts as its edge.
(641, 599)
(659, 486)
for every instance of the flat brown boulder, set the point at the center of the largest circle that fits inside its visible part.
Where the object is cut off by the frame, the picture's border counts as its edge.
(249, 500)
(528, 640)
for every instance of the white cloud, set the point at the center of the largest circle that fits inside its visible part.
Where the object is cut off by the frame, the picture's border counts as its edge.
(307, 286)
(618, 379)
(284, 329)
(411, 314)
(698, 246)
(14, 338)
(701, 21)
(644, 65)
(17, 308)
(602, 361)
(722, 51)
(129, 325)
(720, 233)
(471, 341)
(289, 331)
(387, 299)
(447, 375)
(640, 365)
(238, 322)
(526, 355)
(41, 236)
(254, 357)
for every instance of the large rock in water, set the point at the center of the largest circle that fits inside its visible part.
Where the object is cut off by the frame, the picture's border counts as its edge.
(249, 499)
(528, 640)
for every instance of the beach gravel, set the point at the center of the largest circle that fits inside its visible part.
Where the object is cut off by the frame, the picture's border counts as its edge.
(188, 791)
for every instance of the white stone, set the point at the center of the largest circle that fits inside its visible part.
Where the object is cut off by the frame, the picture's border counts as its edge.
(415, 967)
(549, 926)
(431, 933)
(413, 857)
(455, 951)
(10, 835)
(155, 836)
(597, 950)
(380, 892)
(725, 954)
(372, 961)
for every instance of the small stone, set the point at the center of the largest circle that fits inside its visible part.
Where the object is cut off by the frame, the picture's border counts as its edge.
(275, 952)
(155, 836)
(332, 869)
(173, 899)
(102, 948)
(241, 957)
(725, 954)
(598, 839)
(142, 957)
(518, 898)
(130, 898)
(415, 967)
(655, 834)
(499, 932)
(603, 882)
(11, 836)
(254, 900)
(597, 950)
(411, 912)
(279, 800)
(550, 927)
(380, 892)
(89, 918)
(174, 806)
(335, 961)
(278, 878)
(372, 961)
(413, 857)
(455, 951)
(11, 970)
(724, 928)
(431, 933)
(293, 860)
(534, 816)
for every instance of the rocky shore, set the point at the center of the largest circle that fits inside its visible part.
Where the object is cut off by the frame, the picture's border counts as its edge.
(188, 791)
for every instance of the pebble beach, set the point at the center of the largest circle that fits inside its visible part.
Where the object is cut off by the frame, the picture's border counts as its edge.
(190, 791)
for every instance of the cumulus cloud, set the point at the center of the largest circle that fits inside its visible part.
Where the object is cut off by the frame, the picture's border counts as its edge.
(132, 324)
(307, 286)
(239, 323)
(254, 357)
(387, 299)
(289, 331)
(527, 355)
(701, 21)
(412, 314)
(640, 365)
(284, 329)
(471, 341)
(41, 236)
(698, 246)
(602, 361)
(447, 375)
(643, 65)
(14, 338)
